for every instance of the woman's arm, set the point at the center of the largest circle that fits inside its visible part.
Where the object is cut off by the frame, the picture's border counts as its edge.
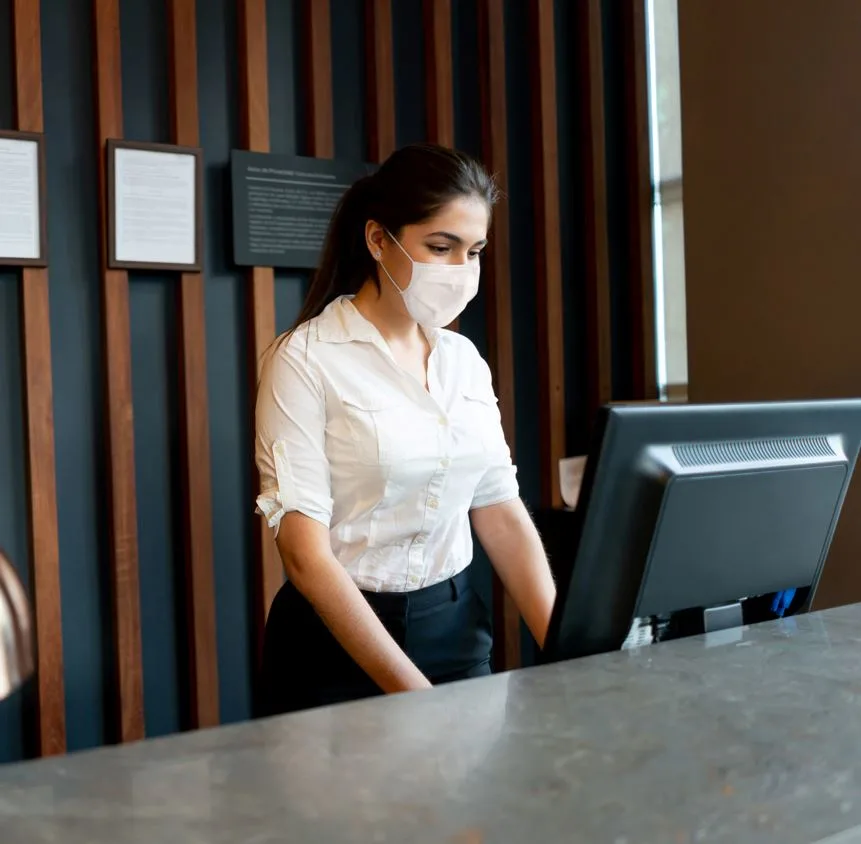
(503, 525)
(509, 537)
(314, 571)
(296, 499)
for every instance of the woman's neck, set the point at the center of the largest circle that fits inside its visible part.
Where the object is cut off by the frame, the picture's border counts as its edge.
(387, 315)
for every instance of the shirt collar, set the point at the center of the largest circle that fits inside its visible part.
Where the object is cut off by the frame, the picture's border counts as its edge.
(341, 322)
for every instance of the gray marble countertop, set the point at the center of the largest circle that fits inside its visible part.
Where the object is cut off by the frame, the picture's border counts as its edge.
(745, 741)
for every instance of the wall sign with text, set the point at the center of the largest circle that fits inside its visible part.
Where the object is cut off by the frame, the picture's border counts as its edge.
(155, 206)
(282, 206)
(23, 214)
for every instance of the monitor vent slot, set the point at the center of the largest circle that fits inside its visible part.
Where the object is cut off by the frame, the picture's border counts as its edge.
(752, 451)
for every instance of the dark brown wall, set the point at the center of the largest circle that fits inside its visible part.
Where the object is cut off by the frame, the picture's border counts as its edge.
(771, 110)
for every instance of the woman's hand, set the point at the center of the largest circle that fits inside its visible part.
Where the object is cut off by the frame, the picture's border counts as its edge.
(312, 568)
(509, 537)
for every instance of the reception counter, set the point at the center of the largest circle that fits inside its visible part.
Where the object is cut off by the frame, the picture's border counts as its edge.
(752, 737)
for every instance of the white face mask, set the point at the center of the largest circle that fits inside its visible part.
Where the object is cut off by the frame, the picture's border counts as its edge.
(437, 293)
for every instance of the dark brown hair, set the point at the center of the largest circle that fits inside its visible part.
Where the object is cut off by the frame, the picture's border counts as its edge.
(411, 186)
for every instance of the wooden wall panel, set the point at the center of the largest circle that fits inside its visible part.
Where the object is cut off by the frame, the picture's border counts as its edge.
(439, 84)
(771, 207)
(380, 85)
(39, 417)
(254, 128)
(118, 411)
(318, 65)
(594, 170)
(638, 174)
(194, 429)
(548, 259)
(496, 278)
(438, 72)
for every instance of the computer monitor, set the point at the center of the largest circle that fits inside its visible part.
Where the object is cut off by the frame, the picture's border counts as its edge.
(696, 507)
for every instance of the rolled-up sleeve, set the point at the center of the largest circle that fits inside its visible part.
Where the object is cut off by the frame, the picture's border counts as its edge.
(290, 437)
(499, 482)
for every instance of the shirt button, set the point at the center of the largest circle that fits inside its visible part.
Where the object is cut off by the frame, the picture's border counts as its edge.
(420, 539)
(413, 580)
(433, 503)
(445, 463)
(443, 421)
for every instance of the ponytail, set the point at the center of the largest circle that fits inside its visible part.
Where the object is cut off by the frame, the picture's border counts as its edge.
(345, 263)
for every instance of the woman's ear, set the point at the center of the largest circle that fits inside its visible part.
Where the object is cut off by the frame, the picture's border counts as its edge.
(374, 238)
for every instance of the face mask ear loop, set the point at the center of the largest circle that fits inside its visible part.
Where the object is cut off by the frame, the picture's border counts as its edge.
(389, 276)
(409, 258)
(398, 244)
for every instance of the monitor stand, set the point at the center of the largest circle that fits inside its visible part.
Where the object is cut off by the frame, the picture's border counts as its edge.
(723, 617)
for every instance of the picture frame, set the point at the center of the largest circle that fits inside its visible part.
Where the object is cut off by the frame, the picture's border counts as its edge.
(154, 206)
(27, 246)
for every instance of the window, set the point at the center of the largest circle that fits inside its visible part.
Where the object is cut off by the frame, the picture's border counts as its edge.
(667, 205)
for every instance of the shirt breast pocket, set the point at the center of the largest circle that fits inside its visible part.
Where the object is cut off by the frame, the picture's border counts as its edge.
(480, 416)
(381, 427)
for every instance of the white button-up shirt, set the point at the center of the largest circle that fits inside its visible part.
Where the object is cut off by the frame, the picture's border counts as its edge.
(347, 437)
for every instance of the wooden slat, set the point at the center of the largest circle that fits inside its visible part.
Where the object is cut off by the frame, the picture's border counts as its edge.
(439, 91)
(318, 65)
(591, 77)
(39, 416)
(438, 72)
(379, 61)
(496, 272)
(197, 495)
(254, 120)
(548, 260)
(27, 49)
(639, 180)
(496, 277)
(119, 434)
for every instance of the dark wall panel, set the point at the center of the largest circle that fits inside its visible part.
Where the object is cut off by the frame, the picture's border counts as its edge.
(617, 232)
(155, 390)
(152, 302)
(572, 223)
(467, 136)
(522, 216)
(289, 296)
(143, 45)
(230, 432)
(13, 490)
(466, 72)
(284, 117)
(13, 500)
(408, 35)
(348, 79)
(75, 317)
(75, 334)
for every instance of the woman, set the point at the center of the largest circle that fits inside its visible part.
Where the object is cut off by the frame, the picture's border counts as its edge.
(378, 441)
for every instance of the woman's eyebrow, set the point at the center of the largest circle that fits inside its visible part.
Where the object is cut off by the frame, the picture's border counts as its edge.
(455, 239)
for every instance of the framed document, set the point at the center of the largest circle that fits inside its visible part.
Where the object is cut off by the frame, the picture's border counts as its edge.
(155, 206)
(283, 204)
(23, 214)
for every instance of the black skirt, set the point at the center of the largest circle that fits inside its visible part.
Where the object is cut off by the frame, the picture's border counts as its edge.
(445, 629)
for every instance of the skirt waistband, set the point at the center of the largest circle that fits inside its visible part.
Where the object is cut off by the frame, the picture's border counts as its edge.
(429, 596)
